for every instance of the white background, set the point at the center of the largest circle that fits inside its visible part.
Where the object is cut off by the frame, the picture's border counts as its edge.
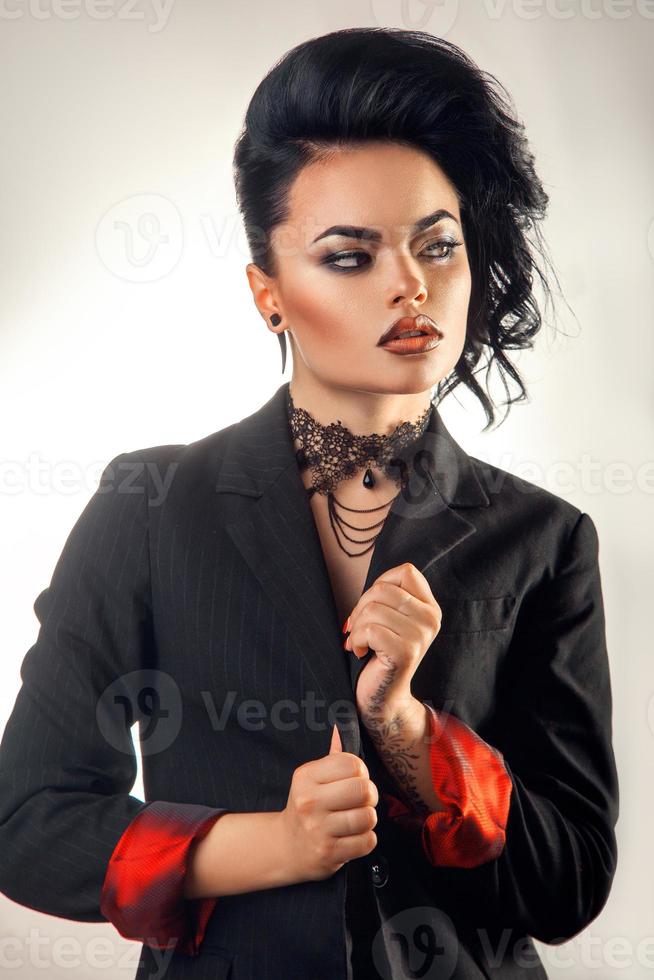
(118, 336)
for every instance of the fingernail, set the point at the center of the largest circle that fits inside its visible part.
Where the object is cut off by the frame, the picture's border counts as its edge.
(344, 627)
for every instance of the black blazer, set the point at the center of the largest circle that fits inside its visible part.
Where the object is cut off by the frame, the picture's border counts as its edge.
(196, 571)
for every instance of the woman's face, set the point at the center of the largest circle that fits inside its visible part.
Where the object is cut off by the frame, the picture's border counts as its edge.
(338, 293)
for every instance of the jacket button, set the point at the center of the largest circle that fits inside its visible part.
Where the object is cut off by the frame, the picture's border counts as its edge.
(379, 872)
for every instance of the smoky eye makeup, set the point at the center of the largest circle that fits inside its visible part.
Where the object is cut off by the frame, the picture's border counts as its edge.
(438, 251)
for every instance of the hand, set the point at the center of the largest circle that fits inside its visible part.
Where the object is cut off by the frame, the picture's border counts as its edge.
(399, 618)
(330, 813)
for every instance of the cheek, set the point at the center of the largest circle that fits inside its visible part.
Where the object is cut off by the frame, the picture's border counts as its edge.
(456, 296)
(452, 305)
(320, 311)
(305, 307)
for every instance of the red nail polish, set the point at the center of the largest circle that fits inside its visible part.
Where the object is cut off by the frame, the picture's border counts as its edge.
(343, 630)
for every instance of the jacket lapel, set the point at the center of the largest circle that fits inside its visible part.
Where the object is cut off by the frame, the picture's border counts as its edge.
(276, 533)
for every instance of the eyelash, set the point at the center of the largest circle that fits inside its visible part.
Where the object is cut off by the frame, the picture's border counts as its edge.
(331, 260)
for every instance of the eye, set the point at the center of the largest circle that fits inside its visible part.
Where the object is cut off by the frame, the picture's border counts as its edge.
(447, 243)
(346, 261)
(335, 260)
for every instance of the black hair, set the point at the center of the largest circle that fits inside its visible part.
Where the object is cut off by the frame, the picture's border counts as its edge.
(416, 89)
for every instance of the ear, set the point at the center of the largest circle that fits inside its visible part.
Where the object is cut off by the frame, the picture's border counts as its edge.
(263, 292)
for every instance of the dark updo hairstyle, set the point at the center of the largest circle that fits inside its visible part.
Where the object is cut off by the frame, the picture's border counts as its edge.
(412, 88)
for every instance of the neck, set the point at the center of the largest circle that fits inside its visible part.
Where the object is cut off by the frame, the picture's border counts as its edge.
(335, 452)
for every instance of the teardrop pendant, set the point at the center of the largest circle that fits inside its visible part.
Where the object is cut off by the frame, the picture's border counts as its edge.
(368, 479)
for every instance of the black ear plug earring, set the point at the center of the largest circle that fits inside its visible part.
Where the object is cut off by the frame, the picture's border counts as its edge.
(275, 320)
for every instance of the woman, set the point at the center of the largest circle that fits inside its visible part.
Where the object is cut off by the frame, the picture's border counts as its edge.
(444, 788)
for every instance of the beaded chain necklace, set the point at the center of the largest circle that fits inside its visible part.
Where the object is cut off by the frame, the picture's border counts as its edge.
(333, 454)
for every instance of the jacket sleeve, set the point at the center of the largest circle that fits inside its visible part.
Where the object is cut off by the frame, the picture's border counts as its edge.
(469, 777)
(553, 727)
(142, 894)
(67, 762)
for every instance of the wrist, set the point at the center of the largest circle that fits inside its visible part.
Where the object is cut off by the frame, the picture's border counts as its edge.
(284, 869)
(404, 709)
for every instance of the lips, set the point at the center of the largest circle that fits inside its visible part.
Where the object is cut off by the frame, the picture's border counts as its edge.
(410, 324)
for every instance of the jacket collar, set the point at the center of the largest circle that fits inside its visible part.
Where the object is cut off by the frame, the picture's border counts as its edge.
(261, 449)
(275, 531)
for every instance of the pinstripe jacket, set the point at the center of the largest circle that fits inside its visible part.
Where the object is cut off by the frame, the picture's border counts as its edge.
(193, 586)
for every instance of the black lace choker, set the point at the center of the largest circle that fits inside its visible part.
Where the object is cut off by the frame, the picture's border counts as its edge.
(333, 453)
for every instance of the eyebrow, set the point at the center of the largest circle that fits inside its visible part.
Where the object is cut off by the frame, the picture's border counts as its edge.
(371, 234)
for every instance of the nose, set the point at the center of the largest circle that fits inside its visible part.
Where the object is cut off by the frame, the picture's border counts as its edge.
(411, 292)
(407, 286)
